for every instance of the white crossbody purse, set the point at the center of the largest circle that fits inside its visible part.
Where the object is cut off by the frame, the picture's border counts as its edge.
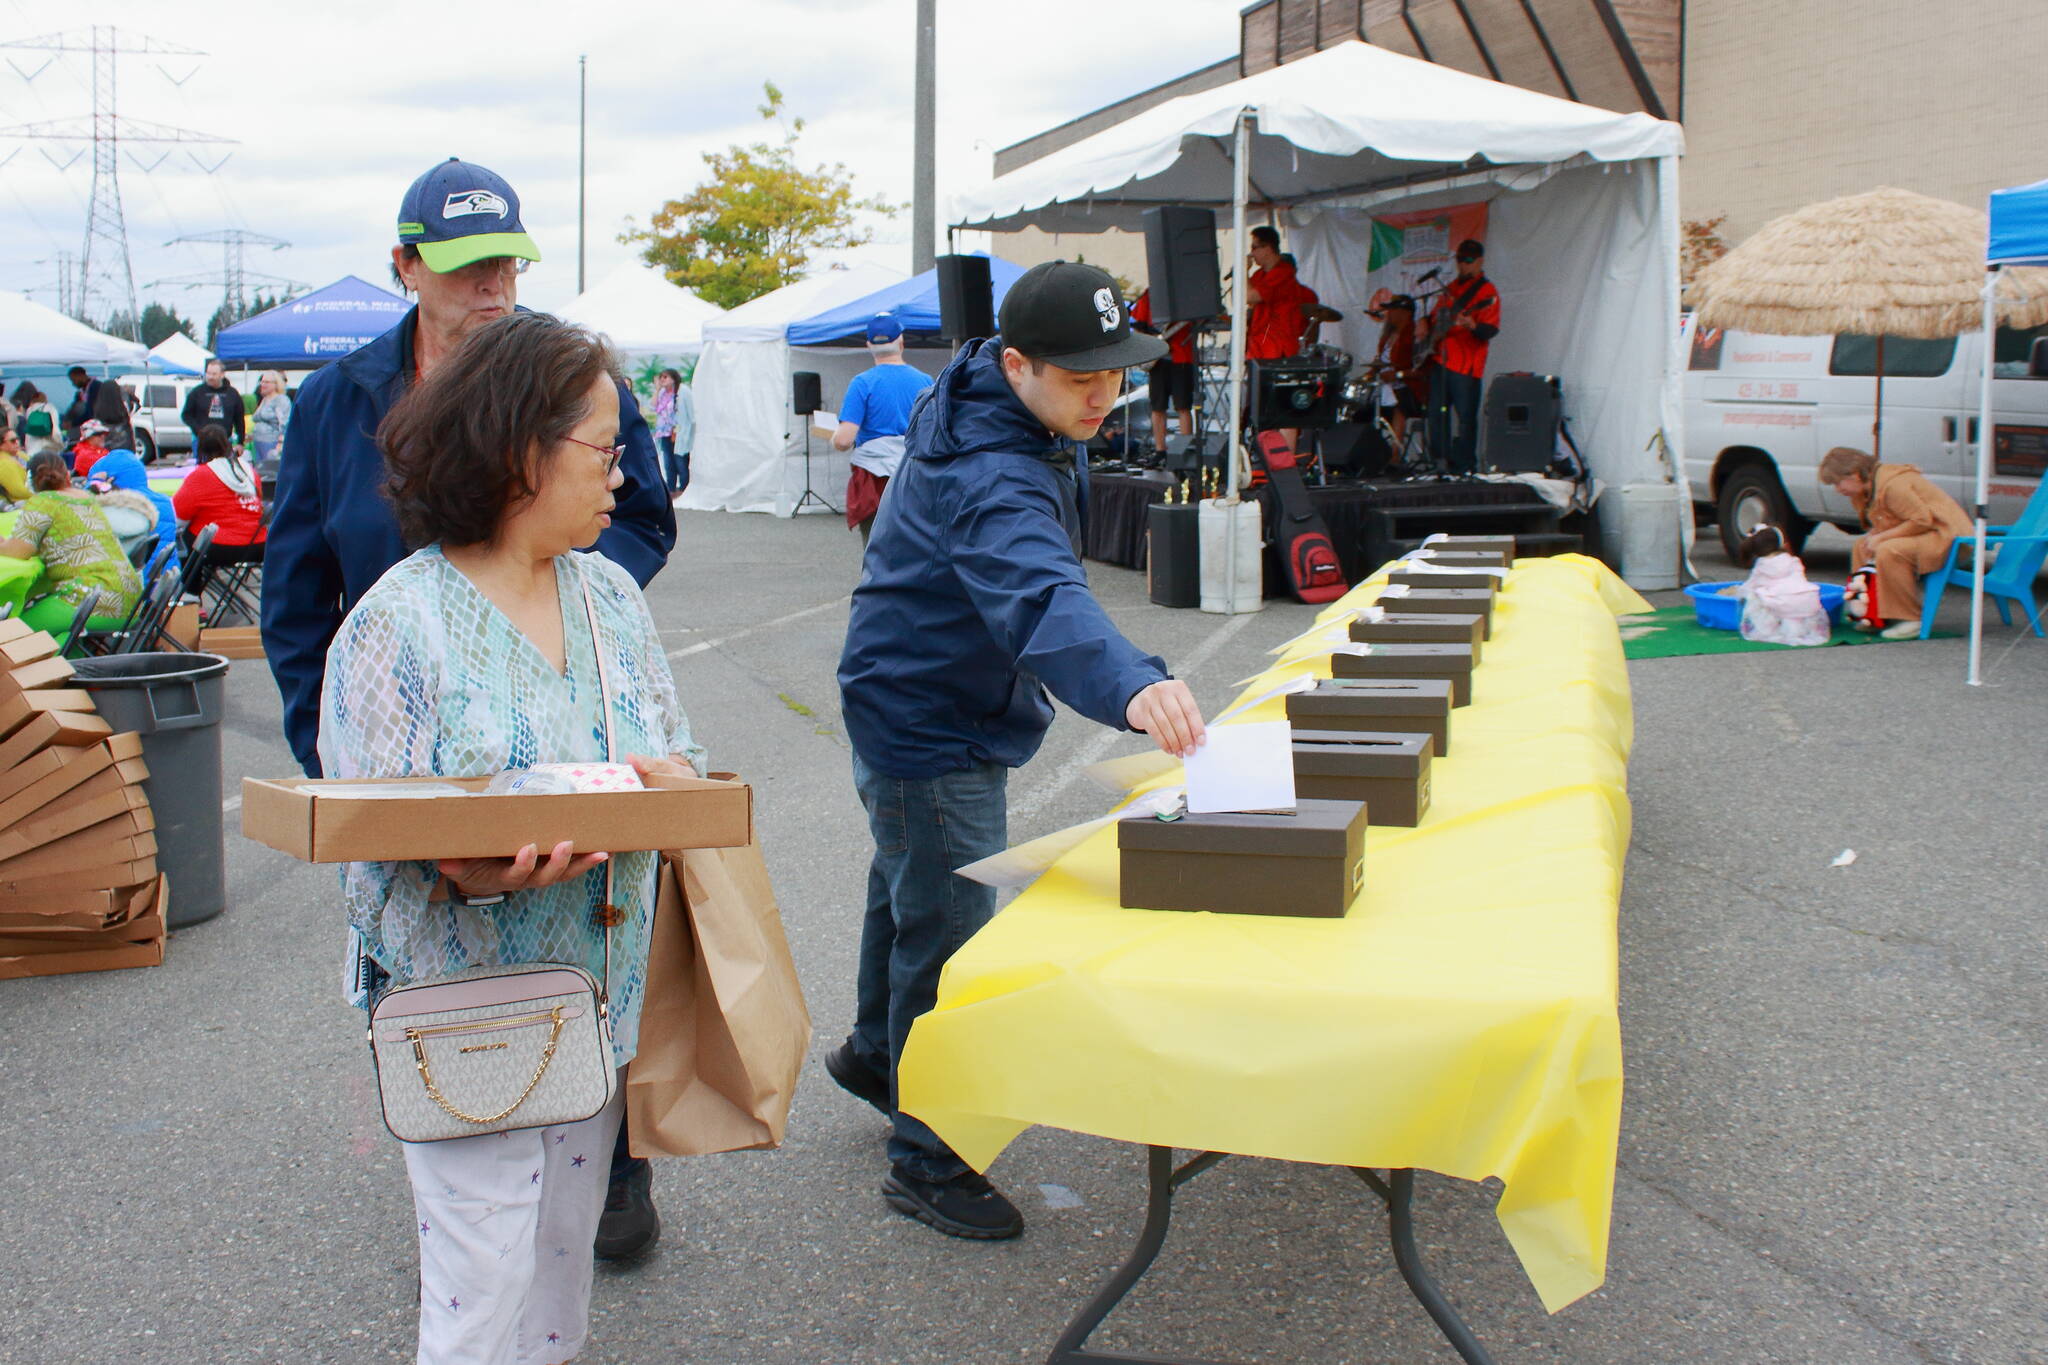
(496, 1049)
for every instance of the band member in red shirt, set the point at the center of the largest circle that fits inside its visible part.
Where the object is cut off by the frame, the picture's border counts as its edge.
(1274, 329)
(1171, 381)
(1393, 362)
(1465, 319)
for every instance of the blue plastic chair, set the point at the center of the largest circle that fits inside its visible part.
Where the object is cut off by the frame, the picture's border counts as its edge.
(2018, 551)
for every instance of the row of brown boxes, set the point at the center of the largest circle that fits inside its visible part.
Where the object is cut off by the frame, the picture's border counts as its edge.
(79, 886)
(1363, 744)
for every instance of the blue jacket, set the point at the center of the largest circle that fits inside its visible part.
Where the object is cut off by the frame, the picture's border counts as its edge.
(123, 469)
(333, 533)
(972, 593)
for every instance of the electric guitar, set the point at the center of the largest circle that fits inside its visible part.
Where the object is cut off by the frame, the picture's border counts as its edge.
(1443, 321)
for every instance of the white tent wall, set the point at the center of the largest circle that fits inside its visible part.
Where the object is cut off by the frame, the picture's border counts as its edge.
(749, 451)
(1587, 294)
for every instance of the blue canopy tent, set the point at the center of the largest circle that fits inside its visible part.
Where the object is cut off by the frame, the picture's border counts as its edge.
(314, 328)
(914, 301)
(2018, 237)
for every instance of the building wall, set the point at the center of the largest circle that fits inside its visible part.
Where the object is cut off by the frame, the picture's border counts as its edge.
(1790, 104)
(1120, 253)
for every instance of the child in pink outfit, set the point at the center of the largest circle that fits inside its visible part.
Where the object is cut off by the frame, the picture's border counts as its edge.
(1778, 605)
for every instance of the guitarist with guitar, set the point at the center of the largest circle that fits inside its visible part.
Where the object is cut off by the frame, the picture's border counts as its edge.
(1465, 319)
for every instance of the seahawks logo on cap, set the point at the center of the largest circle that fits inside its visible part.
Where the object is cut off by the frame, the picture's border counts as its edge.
(1105, 307)
(466, 202)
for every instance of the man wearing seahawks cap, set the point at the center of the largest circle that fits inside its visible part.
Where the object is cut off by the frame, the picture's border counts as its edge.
(460, 252)
(972, 604)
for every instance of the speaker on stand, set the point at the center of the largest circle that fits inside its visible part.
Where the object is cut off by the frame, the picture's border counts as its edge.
(1180, 264)
(807, 395)
(967, 307)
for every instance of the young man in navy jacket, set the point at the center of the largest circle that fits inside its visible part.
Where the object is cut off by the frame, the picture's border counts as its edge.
(972, 604)
(333, 534)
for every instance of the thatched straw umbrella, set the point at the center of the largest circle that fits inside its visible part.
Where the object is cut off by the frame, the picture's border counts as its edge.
(1887, 262)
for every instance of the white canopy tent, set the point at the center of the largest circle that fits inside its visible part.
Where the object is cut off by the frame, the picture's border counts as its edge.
(31, 334)
(1582, 227)
(179, 354)
(644, 314)
(749, 452)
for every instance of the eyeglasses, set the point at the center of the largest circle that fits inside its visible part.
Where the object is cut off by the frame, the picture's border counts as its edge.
(612, 454)
(494, 265)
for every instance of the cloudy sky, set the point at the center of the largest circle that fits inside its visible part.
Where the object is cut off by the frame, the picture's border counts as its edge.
(335, 108)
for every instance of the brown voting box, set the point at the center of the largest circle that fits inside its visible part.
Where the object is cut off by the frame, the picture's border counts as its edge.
(1501, 545)
(1388, 772)
(1467, 559)
(1463, 601)
(1422, 628)
(1452, 662)
(1447, 578)
(1309, 861)
(299, 817)
(1401, 705)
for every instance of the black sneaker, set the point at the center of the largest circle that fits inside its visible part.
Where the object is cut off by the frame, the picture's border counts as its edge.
(965, 1206)
(630, 1227)
(857, 1078)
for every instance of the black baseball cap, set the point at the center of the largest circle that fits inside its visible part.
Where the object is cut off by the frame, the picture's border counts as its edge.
(1471, 249)
(1073, 316)
(458, 212)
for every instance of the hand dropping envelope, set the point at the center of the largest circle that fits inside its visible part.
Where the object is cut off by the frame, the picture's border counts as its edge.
(1242, 767)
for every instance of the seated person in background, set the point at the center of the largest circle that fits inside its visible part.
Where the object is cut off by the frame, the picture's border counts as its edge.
(120, 480)
(80, 553)
(1778, 605)
(13, 468)
(223, 493)
(92, 443)
(1910, 525)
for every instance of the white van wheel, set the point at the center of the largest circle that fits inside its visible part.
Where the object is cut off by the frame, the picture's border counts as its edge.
(1751, 496)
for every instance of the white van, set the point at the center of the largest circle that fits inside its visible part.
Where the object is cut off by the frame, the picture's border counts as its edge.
(1761, 411)
(158, 420)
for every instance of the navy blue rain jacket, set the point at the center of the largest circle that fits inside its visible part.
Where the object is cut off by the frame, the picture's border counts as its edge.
(334, 533)
(972, 592)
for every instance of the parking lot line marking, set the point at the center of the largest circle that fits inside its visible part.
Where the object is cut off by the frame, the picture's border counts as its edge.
(687, 650)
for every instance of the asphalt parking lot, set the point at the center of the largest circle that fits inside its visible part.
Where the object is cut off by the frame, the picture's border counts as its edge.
(1836, 1075)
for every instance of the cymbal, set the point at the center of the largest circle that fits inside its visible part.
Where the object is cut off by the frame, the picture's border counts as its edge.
(1317, 312)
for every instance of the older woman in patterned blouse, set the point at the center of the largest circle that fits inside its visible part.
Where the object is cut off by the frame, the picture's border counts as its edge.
(473, 656)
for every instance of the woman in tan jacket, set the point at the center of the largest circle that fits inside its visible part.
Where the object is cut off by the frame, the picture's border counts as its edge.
(1911, 523)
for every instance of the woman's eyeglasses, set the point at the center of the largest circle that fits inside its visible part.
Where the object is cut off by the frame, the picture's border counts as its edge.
(612, 454)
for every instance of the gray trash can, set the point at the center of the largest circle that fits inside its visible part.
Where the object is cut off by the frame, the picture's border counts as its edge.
(174, 702)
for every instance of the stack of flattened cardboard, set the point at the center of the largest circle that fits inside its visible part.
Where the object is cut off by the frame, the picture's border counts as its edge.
(79, 887)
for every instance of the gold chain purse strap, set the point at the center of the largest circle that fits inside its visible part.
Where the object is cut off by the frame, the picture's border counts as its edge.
(608, 914)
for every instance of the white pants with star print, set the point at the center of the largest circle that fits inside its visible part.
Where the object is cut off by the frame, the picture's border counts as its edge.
(505, 1226)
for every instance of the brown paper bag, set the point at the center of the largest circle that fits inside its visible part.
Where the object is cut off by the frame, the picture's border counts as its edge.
(723, 1028)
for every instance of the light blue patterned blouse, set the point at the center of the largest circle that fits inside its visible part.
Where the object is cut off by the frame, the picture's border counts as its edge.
(427, 678)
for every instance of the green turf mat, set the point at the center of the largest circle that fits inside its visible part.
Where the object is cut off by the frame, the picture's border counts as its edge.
(1674, 632)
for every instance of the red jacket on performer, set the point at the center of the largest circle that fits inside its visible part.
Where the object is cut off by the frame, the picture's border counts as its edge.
(1180, 336)
(1463, 349)
(1274, 328)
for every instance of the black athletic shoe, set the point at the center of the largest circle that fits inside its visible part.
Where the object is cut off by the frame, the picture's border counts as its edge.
(965, 1206)
(630, 1227)
(857, 1078)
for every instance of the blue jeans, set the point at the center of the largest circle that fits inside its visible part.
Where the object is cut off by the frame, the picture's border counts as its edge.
(919, 914)
(1452, 394)
(674, 468)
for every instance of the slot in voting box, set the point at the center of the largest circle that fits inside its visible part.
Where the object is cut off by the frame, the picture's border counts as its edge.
(1422, 628)
(1463, 601)
(1450, 662)
(1478, 579)
(1501, 545)
(1388, 772)
(1308, 862)
(1400, 705)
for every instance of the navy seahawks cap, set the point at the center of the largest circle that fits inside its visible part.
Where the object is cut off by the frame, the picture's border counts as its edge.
(1072, 315)
(884, 327)
(458, 213)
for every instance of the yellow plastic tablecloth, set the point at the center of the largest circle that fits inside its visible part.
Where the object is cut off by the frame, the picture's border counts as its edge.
(1462, 1017)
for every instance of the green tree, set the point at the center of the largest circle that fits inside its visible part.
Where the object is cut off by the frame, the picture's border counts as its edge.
(159, 322)
(223, 316)
(755, 224)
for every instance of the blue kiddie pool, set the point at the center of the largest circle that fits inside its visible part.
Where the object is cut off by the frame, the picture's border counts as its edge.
(1718, 612)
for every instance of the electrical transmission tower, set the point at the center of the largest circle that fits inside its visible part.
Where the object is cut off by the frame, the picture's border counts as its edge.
(106, 279)
(233, 277)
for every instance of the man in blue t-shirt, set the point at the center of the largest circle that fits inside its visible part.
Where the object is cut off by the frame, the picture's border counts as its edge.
(873, 418)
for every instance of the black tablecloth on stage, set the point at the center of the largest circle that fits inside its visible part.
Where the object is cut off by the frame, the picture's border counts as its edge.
(1117, 502)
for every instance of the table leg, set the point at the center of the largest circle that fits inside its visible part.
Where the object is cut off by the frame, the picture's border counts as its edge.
(1397, 1191)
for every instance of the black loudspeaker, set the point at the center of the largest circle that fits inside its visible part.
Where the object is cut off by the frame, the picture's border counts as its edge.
(1354, 448)
(806, 393)
(967, 307)
(1180, 261)
(1523, 411)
